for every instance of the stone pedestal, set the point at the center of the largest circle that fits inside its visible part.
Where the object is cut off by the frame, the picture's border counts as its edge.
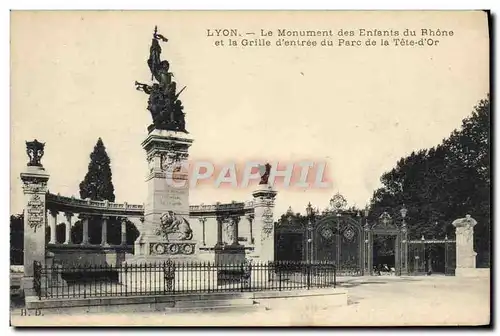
(263, 222)
(466, 257)
(166, 232)
(229, 255)
(34, 180)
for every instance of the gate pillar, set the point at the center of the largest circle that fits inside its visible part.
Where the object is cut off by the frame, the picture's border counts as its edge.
(466, 257)
(367, 255)
(34, 180)
(263, 224)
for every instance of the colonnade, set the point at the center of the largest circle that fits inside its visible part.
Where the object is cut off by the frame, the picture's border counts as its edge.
(53, 220)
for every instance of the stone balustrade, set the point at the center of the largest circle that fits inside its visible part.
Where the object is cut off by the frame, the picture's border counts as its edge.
(87, 206)
(76, 205)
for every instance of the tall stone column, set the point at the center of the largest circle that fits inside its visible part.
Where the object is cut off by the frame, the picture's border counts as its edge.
(250, 218)
(167, 198)
(34, 180)
(263, 223)
(220, 229)
(202, 221)
(85, 231)
(124, 231)
(235, 223)
(53, 225)
(69, 216)
(104, 231)
(465, 255)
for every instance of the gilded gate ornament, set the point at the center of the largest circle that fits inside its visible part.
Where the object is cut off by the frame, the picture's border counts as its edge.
(337, 203)
(327, 233)
(349, 233)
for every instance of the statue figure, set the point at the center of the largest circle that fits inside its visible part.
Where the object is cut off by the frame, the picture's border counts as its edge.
(229, 230)
(173, 223)
(265, 174)
(35, 151)
(163, 103)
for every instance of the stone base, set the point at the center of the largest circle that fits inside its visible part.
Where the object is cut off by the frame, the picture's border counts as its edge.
(156, 247)
(335, 297)
(472, 272)
(27, 286)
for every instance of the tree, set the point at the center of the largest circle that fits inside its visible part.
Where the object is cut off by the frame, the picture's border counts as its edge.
(443, 183)
(97, 184)
(17, 239)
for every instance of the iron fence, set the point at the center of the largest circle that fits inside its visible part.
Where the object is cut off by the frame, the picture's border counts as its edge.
(84, 281)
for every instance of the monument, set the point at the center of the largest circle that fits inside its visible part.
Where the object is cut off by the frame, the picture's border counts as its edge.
(166, 233)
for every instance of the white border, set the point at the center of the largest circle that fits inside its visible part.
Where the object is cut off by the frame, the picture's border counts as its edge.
(150, 5)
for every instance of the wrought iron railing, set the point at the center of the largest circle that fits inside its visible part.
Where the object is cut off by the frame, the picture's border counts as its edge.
(37, 278)
(167, 278)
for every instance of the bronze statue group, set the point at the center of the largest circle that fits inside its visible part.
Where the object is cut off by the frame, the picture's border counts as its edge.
(165, 107)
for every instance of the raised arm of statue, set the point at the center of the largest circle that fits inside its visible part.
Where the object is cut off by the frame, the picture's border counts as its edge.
(143, 87)
(154, 58)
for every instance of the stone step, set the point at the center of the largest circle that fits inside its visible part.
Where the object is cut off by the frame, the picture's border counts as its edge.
(212, 296)
(213, 303)
(230, 308)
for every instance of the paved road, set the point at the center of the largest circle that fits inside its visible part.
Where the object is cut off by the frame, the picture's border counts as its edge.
(374, 301)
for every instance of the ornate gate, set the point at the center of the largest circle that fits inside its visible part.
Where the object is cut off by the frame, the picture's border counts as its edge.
(431, 256)
(386, 226)
(289, 242)
(339, 238)
(332, 237)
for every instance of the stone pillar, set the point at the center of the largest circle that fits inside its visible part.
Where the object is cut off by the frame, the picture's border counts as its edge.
(235, 223)
(104, 231)
(34, 180)
(53, 225)
(250, 218)
(202, 221)
(219, 231)
(139, 245)
(465, 257)
(168, 187)
(263, 224)
(85, 231)
(124, 231)
(68, 227)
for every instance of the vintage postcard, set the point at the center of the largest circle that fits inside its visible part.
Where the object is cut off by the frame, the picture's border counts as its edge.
(250, 168)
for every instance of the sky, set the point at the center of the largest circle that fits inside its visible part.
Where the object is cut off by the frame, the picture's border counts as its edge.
(359, 109)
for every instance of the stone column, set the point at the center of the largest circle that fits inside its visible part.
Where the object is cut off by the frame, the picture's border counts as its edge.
(104, 231)
(219, 230)
(34, 180)
(250, 221)
(202, 221)
(53, 224)
(167, 187)
(465, 257)
(236, 222)
(85, 231)
(68, 227)
(140, 248)
(124, 231)
(263, 224)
